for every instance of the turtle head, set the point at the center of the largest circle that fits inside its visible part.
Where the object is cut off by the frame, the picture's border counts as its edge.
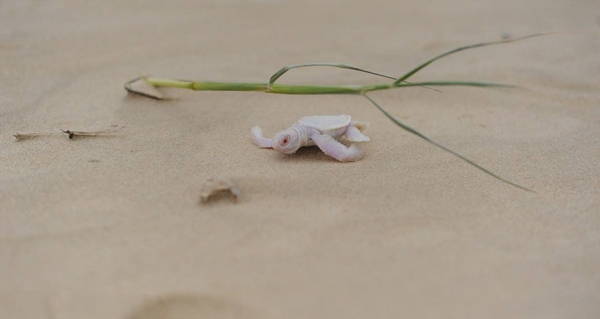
(287, 141)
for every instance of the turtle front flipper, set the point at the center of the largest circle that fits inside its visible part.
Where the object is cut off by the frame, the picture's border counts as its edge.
(353, 134)
(337, 150)
(259, 139)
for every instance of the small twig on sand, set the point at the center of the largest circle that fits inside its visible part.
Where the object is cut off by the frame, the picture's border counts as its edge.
(70, 133)
(73, 134)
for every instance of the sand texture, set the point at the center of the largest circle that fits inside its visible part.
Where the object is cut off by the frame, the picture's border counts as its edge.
(113, 227)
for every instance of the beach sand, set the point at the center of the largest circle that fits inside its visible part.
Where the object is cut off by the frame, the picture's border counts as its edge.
(113, 227)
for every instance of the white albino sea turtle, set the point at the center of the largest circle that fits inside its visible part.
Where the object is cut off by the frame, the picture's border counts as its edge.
(325, 131)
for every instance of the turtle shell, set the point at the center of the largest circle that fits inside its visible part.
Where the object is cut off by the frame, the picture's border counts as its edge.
(327, 124)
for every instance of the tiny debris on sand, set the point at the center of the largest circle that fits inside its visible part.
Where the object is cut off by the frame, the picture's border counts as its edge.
(218, 186)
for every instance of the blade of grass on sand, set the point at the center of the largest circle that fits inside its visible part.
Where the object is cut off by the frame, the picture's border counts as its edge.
(417, 133)
(472, 46)
(287, 68)
(457, 83)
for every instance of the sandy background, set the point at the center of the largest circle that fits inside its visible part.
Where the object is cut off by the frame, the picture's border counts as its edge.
(112, 227)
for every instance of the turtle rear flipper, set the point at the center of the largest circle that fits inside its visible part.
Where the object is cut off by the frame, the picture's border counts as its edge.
(337, 150)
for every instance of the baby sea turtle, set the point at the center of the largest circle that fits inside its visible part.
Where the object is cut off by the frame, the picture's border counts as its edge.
(325, 131)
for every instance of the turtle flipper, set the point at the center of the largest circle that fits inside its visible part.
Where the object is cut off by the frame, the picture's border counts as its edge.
(353, 134)
(259, 139)
(337, 150)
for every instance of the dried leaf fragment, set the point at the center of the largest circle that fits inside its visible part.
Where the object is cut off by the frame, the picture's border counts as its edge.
(142, 87)
(214, 186)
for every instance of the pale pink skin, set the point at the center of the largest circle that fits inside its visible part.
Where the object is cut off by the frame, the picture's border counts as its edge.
(290, 140)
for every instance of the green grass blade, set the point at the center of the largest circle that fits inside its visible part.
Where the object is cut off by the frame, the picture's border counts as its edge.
(417, 133)
(286, 68)
(472, 46)
(455, 83)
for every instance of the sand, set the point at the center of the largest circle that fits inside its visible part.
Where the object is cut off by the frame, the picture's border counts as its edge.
(113, 227)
